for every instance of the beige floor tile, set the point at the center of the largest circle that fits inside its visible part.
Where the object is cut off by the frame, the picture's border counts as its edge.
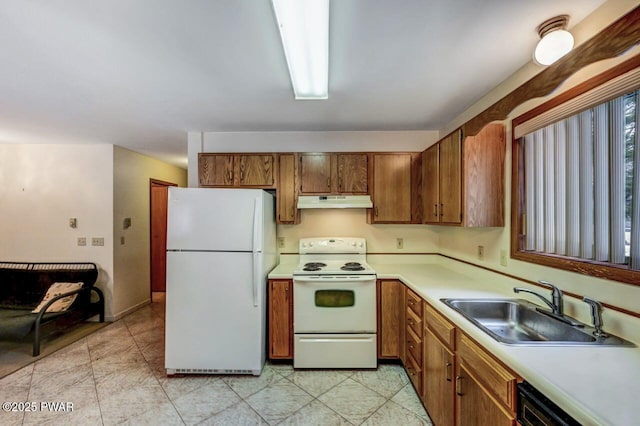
(240, 414)
(387, 380)
(164, 414)
(73, 376)
(317, 382)
(117, 407)
(393, 414)
(84, 409)
(408, 398)
(205, 401)
(352, 400)
(246, 385)
(175, 387)
(278, 401)
(315, 413)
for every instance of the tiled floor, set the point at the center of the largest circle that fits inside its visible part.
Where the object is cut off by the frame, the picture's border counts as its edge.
(116, 375)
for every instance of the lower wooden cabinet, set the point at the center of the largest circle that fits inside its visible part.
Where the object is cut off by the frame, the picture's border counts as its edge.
(438, 393)
(474, 404)
(390, 318)
(280, 310)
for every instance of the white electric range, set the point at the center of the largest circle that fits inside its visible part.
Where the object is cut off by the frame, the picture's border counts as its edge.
(334, 305)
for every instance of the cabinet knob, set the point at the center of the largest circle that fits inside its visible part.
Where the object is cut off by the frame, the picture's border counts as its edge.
(435, 210)
(328, 182)
(241, 175)
(459, 386)
(441, 209)
(340, 183)
(375, 211)
(447, 371)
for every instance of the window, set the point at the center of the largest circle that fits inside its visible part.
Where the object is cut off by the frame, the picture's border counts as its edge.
(577, 181)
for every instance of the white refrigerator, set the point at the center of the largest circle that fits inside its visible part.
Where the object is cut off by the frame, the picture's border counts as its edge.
(220, 247)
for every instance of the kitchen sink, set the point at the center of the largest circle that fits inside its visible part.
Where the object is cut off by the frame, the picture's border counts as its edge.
(519, 322)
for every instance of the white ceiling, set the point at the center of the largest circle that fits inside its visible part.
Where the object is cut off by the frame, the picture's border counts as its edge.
(143, 73)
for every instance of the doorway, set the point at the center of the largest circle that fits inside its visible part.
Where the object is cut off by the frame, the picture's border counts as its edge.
(158, 195)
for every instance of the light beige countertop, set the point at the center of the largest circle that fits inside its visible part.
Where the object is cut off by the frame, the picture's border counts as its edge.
(595, 385)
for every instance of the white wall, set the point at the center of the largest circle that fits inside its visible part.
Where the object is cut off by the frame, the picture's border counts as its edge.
(131, 174)
(462, 243)
(303, 142)
(41, 187)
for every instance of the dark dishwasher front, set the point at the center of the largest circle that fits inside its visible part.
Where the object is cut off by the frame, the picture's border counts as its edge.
(535, 409)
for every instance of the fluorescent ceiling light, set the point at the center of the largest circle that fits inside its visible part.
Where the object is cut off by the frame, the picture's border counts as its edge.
(555, 40)
(304, 29)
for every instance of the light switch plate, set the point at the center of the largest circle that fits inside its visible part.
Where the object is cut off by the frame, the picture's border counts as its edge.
(82, 241)
(97, 241)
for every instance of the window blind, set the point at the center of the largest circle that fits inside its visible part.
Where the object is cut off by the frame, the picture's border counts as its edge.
(582, 184)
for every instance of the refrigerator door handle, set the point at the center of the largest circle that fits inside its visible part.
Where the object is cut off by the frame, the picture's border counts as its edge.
(256, 277)
(257, 225)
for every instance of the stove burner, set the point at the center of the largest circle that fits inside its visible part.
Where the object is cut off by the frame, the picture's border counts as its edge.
(313, 266)
(353, 264)
(356, 267)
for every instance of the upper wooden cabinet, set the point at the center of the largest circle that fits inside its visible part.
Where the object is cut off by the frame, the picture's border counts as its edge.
(353, 173)
(337, 173)
(396, 186)
(237, 170)
(463, 180)
(286, 193)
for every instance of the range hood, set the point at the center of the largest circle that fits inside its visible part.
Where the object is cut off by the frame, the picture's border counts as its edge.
(334, 202)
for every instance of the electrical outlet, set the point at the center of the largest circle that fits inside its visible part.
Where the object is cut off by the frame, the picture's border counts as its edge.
(281, 242)
(73, 222)
(97, 241)
(399, 243)
(480, 252)
(503, 257)
(82, 241)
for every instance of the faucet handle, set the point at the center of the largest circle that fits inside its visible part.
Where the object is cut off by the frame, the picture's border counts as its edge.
(596, 315)
(556, 296)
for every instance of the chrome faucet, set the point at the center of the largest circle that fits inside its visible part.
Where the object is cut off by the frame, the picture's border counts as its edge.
(596, 315)
(557, 305)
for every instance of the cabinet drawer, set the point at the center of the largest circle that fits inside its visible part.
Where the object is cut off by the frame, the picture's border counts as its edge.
(440, 326)
(496, 378)
(414, 302)
(414, 346)
(414, 322)
(414, 371)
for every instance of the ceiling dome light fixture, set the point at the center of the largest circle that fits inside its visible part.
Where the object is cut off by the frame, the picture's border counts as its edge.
(555, 40)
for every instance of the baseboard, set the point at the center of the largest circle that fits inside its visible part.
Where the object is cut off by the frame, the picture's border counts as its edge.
(121, 314)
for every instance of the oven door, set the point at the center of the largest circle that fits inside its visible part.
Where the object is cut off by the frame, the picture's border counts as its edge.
(336, 304)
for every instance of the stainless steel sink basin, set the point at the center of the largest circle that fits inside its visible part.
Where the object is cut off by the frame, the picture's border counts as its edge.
(519, 322)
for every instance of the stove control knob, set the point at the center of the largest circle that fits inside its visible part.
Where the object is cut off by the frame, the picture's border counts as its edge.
(353, 243)
(304, 244)
(310, 244)
(361, 245)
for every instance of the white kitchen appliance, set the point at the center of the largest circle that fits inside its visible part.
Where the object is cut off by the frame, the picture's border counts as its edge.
(220, 248)
(334, 305)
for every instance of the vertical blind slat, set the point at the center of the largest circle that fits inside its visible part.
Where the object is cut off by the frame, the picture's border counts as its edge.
(529, 147)
(635, 201)
(573, 186)
(586, 185)
(539, 190)
(617, 179)
(549, 189)
(560, 182)
(601, 181)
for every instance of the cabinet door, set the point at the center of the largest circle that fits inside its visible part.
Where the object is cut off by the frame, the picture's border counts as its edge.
(474, 405)
(430, 185)
(438, 380)
(315, 173)
(286, 195)
(390, 310)
(215, 169)
(450, 188)
(391, 188)
(280, 319)
(353, 173)
(256, 170)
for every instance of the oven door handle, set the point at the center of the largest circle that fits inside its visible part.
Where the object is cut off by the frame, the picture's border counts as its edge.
(333, 278)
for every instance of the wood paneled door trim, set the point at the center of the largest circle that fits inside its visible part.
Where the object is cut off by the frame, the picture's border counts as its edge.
(158, 191)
